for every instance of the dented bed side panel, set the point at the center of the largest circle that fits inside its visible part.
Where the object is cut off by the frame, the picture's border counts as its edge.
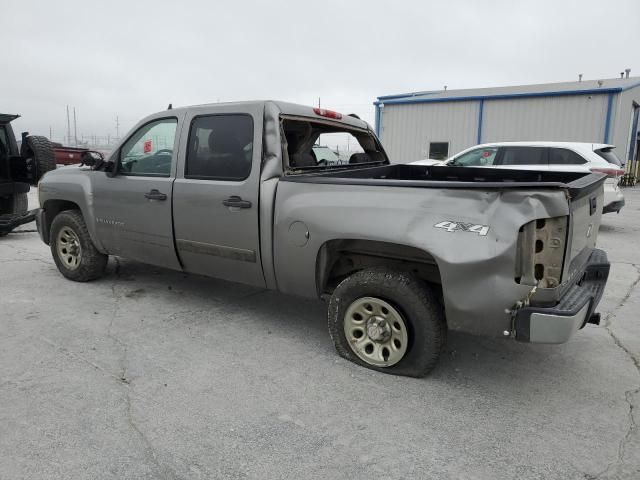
(471, 234)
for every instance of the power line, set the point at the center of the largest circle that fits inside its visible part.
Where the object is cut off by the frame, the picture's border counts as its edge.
(75, 127)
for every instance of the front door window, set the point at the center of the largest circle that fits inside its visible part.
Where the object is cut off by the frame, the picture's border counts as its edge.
(480, 157)
(149, 151)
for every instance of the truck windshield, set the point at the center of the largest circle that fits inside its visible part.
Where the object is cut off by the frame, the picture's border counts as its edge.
(311, 145)
(327, 154)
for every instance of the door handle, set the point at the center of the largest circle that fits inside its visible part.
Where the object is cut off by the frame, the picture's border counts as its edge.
(154, 194)
(236, 201)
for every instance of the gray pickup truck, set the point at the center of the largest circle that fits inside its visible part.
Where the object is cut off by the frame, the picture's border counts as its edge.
(402, 252)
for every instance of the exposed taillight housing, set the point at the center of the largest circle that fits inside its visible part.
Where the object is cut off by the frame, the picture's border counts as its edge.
(609, 172)
(327, 113)
(540, 252)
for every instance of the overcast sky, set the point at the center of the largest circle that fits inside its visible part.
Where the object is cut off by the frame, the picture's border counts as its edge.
(129, 59)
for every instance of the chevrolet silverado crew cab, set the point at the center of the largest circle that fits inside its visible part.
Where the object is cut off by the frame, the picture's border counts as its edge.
(401, 252)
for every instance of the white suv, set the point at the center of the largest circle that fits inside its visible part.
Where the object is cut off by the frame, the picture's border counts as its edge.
(556, 156)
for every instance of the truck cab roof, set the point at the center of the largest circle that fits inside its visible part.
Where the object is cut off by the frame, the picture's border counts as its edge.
(285, 108)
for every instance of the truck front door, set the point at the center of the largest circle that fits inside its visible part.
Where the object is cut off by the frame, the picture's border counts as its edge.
(216, 194)
(133, 208)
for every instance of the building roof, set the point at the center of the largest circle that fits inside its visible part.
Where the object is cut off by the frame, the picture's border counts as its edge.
(610, 85)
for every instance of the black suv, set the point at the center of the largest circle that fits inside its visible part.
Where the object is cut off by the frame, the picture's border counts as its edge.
(20, 168)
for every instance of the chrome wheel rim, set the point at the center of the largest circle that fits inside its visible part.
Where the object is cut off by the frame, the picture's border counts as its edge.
(375, 331)
(69, 249)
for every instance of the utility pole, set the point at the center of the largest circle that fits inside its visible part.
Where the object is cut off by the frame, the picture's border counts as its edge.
(68, 127)
(75, 128)
(117, 127)
(319, 137)
(50, 133)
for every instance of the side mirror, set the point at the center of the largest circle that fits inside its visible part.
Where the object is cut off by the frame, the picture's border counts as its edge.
(111, 169)
(96, 161)
(91, 158)
(111, 165)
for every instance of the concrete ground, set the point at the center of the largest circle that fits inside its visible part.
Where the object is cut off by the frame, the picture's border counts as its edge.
(155, 374)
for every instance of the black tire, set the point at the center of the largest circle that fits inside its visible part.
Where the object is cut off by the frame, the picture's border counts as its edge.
(15, 204)
(92, 263)
(416, 302)
(40, 157)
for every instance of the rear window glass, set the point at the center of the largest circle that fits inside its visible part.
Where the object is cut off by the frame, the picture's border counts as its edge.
(322, 145)
(523, 156)
(609, 156)
(562, 156)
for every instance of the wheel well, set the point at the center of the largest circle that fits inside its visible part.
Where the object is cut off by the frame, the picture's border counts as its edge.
(337, 259)
(52, 208)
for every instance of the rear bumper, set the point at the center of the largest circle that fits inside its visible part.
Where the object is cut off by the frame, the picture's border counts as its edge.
(575, 309)
(613, 206)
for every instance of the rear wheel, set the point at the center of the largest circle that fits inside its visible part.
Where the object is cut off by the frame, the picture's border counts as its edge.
(73, 251)
(386, 320)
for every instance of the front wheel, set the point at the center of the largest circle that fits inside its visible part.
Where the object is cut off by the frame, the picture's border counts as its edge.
(73, 251)
(387, 320)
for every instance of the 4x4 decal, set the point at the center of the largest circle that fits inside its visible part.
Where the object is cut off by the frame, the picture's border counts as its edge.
(450, 226)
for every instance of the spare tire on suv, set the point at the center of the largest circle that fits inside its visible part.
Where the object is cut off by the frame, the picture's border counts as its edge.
(15, 204)
(38, 152)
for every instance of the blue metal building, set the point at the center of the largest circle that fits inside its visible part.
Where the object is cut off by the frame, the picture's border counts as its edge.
(435, 124)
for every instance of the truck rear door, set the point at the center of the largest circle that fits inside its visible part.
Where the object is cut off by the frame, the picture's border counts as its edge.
(216, 193)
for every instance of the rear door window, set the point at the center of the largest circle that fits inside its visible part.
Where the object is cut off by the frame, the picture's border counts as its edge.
(220, 147)
(523, 156)
(562, 156)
